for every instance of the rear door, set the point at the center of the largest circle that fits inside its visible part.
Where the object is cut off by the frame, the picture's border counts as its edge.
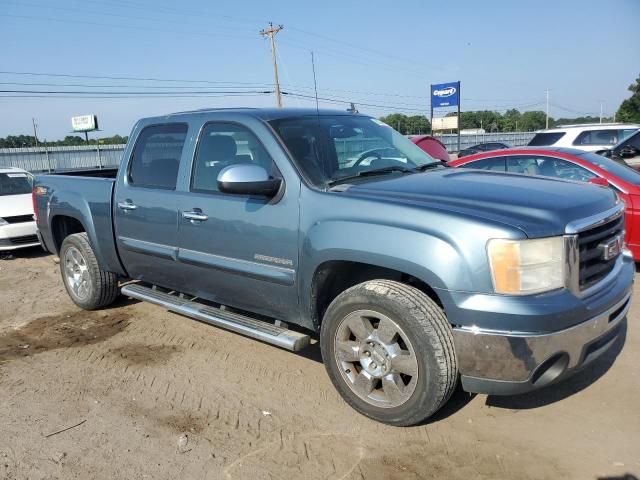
(145, 205)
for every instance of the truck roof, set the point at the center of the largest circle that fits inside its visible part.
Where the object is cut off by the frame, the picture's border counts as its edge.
(266, 114)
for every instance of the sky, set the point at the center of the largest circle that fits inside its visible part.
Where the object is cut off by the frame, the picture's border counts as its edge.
(381, 55)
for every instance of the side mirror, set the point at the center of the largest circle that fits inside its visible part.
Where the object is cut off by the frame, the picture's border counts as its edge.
(627, 152)
(245, 179)
(601, 182)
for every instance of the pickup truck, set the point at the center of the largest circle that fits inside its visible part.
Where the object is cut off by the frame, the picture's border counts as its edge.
(291, 224)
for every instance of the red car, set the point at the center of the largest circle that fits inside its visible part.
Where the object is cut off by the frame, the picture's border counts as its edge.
(569, 164)
(432, 146)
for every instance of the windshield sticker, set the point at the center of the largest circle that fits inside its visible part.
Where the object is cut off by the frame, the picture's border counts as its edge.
(17, 175)
(378, 122)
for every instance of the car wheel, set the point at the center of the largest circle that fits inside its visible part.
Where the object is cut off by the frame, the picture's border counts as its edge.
(388, 349)
(87, 284)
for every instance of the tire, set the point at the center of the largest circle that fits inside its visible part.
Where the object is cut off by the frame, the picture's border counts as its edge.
(87, 284)
(388, 350)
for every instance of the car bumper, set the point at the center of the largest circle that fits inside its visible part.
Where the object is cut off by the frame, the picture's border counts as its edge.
(18, 235)
(506, 362)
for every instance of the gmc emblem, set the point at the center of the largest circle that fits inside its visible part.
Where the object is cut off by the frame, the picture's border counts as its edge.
(612, 248)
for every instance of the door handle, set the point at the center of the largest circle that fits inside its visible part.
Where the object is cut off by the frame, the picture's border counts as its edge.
(126, 206)
(195, 216)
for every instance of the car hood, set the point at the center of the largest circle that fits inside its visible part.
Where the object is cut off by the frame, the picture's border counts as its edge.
(536, 205)
(12, 205)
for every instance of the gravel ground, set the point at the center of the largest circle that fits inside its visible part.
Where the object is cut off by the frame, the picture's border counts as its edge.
(144, 393)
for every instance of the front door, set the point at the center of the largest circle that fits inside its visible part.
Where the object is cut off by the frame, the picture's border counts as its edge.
(238, 250)
(146, 206)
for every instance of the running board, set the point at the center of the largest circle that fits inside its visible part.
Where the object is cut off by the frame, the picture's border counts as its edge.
(250, 327)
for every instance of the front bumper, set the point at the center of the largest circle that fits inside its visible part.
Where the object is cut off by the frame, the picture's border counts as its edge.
(18, 235)
(507, 362)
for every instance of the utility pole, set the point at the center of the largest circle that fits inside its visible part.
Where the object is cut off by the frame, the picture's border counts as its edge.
(601, 111)
(35, 130)
(270, 33)
(546, 92)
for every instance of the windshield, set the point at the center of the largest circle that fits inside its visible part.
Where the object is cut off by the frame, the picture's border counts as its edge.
(15, 183)
(329, 148)
(621, 171)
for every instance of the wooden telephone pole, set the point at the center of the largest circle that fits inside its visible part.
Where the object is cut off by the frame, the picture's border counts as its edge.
(270, 33)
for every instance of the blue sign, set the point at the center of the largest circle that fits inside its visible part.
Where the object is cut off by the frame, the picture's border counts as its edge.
(445, 95)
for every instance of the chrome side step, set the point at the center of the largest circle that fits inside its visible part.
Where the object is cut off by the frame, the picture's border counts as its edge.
(250, 327)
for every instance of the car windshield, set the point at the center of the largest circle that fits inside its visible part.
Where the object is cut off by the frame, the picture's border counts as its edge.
(17, 183)
(621, 171)
(331, 148)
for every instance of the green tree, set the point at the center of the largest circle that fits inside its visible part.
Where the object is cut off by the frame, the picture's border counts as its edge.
(413, 125)
(534, 120)
(629, 110)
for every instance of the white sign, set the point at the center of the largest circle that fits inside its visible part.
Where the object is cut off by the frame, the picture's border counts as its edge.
(444, 123)
(84, 123)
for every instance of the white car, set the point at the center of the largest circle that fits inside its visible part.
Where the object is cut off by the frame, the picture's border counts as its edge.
(17, 224)
(589, 137)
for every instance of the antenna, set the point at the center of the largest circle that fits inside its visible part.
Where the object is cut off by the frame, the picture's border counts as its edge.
(315, 84)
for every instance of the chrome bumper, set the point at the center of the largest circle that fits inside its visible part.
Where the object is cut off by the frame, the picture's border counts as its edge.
(507, 362)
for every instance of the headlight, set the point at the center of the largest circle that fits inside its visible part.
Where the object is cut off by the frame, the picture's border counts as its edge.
(523, 267)
(3, 221)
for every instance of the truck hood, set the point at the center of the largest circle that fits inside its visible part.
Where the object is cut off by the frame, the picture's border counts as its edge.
(536, 205)
(13, 205)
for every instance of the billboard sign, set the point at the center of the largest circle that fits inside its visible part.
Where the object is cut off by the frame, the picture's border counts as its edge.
(84, 123)
(445, 95)
(444, 123)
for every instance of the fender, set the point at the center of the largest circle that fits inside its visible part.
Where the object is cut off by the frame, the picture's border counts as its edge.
(91, 210)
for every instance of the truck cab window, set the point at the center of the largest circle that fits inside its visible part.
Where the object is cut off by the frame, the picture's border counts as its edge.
(224, 144)
(156, 156)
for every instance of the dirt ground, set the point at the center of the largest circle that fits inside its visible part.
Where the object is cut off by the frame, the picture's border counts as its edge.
(151, 394)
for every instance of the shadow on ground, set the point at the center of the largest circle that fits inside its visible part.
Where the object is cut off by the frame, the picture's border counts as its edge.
(29, 252)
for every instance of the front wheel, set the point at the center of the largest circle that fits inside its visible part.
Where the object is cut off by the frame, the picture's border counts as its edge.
(87, 284)
(388, 349)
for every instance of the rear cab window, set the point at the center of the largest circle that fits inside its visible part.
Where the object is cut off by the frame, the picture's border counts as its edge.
(544, 139)
(156, 156)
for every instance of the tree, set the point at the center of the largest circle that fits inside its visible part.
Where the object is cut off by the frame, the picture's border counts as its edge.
(629, 110)
(534, 120)
(415, 124)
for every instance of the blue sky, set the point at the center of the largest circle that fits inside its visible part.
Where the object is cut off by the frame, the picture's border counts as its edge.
(505, 53)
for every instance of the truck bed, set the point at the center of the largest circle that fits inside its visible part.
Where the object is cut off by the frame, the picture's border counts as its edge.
(78, 201)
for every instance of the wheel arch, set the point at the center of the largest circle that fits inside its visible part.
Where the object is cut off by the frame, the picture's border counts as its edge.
(332, 277)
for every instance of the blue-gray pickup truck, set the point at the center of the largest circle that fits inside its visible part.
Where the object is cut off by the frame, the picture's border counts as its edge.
(290, 224)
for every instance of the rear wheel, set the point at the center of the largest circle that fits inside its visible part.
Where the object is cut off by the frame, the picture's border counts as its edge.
(87, 284)
(388, 349)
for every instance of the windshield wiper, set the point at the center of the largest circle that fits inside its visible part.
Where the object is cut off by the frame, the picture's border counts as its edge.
(371, 173)
(429, 166)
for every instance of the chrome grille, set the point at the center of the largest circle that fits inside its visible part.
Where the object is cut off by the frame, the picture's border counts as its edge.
(593, 264)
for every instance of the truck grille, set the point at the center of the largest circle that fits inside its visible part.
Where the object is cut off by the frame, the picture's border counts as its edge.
(593, 266)
(19, 218)
(24, 240)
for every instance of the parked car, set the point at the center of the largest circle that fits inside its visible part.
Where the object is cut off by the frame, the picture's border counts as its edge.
(409, 273)
(482, 147)
(570, 164)
(626, 152)
(589, 137)
(17, 225)
(432, 146)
